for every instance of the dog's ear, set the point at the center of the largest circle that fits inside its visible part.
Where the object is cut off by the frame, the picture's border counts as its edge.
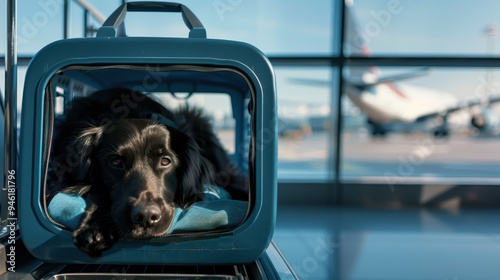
(194, 170)
(82, 149)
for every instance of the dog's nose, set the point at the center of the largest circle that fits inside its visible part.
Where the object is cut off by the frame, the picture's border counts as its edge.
(146, 215)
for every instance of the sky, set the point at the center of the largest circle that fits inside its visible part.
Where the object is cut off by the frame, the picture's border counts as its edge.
(430, 27)
(263, 23)
(283, 27)
(279, 27)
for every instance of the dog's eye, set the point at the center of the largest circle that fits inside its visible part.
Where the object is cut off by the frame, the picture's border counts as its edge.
(117, 162)
(165, 161)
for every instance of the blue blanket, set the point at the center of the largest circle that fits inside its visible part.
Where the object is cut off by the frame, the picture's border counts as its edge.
(217, 211)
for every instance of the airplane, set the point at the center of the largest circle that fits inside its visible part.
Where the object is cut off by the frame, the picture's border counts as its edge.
(384, 102)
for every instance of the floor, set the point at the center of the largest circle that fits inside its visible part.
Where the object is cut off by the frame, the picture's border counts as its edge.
(382, 244)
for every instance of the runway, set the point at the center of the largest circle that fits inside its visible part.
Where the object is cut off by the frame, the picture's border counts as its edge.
(403, 157)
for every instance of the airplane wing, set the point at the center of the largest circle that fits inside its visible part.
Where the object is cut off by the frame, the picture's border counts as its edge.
(399, 77)
(364, 84)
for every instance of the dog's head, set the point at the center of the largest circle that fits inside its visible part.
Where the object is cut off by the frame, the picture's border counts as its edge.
(145, 168)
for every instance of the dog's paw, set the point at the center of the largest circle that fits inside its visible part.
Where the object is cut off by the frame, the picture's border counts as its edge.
(93, 240)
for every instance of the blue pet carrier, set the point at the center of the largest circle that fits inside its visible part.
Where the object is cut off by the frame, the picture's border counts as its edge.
(169, 66)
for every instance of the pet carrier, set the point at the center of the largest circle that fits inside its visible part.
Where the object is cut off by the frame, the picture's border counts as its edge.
(176, 70)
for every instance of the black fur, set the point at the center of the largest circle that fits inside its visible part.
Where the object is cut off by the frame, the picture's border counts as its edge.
(133, 171)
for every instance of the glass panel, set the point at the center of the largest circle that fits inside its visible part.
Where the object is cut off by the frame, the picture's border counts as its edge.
(275, 27)
(393, 27)
(103, 9)
(441, 125)
(217, 107)
(21, 73)
(38, 24)
(305, 123)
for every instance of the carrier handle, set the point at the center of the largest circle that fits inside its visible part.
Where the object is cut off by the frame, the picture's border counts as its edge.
(113, 26)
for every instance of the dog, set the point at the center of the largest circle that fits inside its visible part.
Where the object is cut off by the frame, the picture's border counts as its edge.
(134, 161)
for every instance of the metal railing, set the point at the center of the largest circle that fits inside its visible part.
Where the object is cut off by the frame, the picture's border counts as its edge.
(88, 12)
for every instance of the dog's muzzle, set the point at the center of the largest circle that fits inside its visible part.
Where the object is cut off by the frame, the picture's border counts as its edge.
(146, 215)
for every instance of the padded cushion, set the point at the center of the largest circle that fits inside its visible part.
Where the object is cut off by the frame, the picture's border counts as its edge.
(217, 211)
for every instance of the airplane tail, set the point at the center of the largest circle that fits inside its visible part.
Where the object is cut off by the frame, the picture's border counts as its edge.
(356, 44)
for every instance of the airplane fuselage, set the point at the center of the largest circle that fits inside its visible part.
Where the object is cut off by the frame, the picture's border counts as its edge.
(388, 102)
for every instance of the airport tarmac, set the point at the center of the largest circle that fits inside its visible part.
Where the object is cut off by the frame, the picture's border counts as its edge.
(402, 155)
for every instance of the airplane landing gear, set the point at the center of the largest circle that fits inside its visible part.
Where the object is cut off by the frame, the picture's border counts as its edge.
(441, 132)
(377, 130)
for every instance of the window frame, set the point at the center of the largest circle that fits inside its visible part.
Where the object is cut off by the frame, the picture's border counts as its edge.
(335, 190)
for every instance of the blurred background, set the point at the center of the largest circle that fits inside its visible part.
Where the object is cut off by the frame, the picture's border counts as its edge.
(383, 106)
(304, 43)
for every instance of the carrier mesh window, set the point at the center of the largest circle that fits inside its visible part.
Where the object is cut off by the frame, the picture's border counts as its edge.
(223, 95)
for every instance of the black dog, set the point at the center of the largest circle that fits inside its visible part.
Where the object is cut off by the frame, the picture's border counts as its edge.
(134, 161)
